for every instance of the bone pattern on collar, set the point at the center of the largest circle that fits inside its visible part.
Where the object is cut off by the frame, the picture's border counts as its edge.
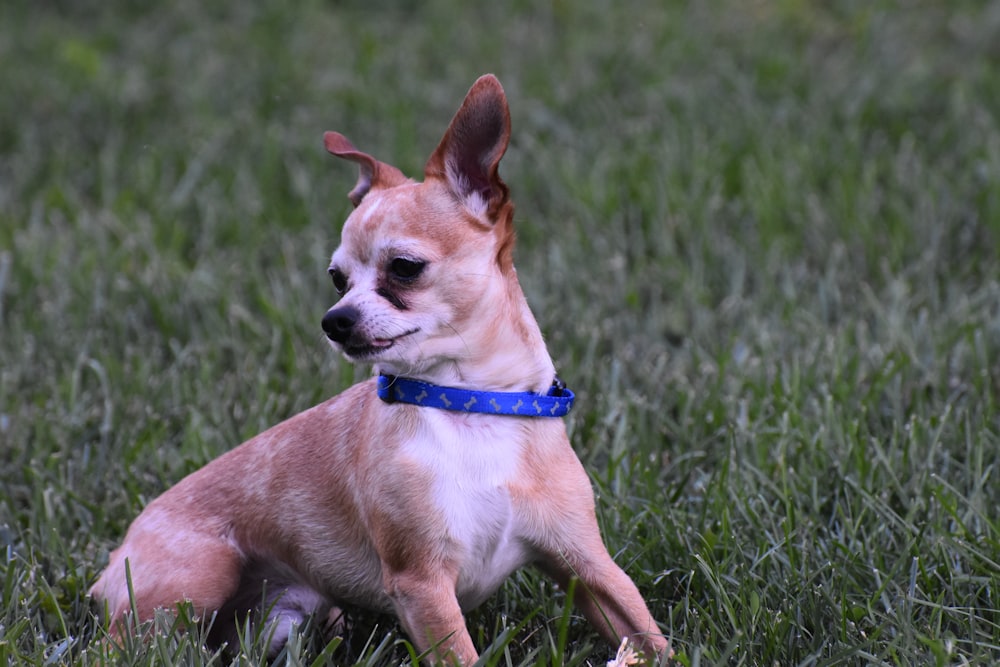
(556, 403)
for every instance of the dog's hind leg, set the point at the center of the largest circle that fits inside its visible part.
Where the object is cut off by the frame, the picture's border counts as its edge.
(288, 608)
(270, 600)
(159, 569)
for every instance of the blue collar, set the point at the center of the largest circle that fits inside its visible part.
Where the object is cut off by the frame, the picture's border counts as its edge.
(556, 403)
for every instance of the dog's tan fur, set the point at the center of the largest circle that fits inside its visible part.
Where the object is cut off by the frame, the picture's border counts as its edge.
(416, 511)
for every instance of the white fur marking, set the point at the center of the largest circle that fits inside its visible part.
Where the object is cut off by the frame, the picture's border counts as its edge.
(474, 202)
(472, 459)
(473, 199)
(373, 205)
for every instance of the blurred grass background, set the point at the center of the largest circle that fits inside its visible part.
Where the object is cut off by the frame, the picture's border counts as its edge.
(761, 239)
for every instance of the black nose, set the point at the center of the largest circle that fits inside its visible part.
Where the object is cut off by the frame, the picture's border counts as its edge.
(339, 322)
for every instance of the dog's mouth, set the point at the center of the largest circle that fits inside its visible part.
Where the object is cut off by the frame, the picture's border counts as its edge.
(362, 349)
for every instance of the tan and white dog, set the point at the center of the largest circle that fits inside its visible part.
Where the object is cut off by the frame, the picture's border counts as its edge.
(387, 504)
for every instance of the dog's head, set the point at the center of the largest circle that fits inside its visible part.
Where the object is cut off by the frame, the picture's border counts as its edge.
(424, 270)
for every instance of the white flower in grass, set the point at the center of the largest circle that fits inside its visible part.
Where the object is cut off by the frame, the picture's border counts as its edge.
(626, 655)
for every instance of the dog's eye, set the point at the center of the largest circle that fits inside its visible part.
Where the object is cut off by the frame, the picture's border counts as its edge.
(406, 269)
(339, 280)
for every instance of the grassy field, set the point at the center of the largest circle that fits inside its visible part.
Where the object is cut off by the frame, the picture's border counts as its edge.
(762, 238)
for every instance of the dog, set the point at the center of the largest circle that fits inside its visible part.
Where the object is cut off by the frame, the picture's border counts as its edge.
(419, 491)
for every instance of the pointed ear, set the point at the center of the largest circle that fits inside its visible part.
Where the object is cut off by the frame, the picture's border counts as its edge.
(469, 154)
(372, 173)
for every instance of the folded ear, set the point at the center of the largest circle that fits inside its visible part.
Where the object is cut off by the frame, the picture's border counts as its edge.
(372, 173)
(470, 151)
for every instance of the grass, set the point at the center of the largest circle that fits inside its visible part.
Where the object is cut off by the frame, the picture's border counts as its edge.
(762, 240)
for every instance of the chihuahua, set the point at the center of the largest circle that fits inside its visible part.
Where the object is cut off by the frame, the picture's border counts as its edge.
(419, 491)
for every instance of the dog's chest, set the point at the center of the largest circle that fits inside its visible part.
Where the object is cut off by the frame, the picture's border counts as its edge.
(472, 461)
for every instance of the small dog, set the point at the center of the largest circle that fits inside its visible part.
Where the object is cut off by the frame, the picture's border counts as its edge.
(417, 492)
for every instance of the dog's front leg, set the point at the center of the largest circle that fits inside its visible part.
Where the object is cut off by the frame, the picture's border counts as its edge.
(608, 598)
(426, 606)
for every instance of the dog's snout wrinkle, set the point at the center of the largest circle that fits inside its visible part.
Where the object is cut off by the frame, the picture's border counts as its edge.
(338, 323)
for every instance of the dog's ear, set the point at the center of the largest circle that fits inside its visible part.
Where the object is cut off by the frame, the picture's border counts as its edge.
(470, 151)
(372, 173)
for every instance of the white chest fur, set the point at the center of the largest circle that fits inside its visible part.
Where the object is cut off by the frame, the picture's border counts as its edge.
(472, 458)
